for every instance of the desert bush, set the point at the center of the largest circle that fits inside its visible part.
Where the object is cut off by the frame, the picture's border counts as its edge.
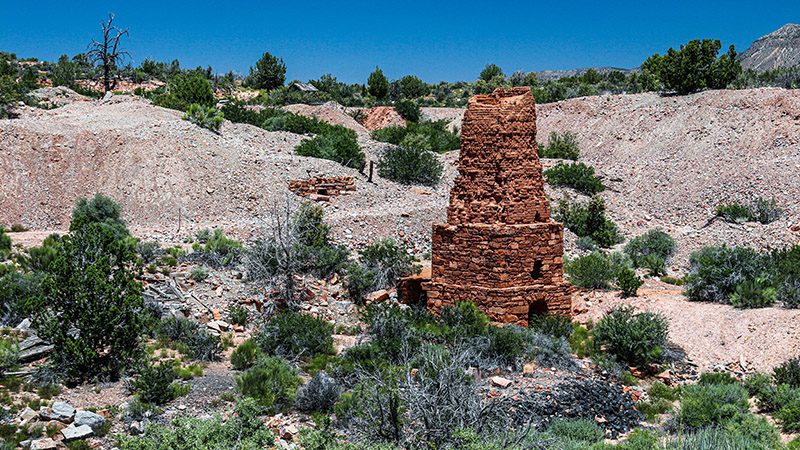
(551, 324)
(715, 272)
(655, 243)
(293, 335)
(9, 354)
(713, 438)
(238, 314)
(269, 73)
(156, 383)
(561, 146)
(634, 338)
(199, 343)
(408, 109)
(272, 383)
(90, 287)
(319, 394)
(695, 66)
(243, 430)
(245, 355)
(788, 373)
(628, 282)
(712, 404)
(186, 89)
(149, 251)
(708, 378)
(789, 292)
(440, 138)
(758, 210)
(594, 271)
(588, 220)
(661, 391)
(220, 249)
(5, 244)
(580, 430)
(412, 162)
(199, 274)
(100, 209)
(205, 117)
(380, 266)
(464, 320)
(576, 175)
(753, 293)
(337, 144)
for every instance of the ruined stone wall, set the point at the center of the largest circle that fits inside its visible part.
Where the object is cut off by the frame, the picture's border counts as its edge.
(499, 247)
(322, 188)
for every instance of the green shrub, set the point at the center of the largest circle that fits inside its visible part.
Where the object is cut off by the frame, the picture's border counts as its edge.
(378, 84)
(243, 430)
(90, 287)
(380, 266)
(186, 89)
(100, 209)
(653, 244)
(715, 272)
(754, 428)
(245, 355)
(714, 438)
(271, 382)
(550, 324)
(661, 391)
(561, 146)
(269, 73)
(758, 210)
(712, 404)
(577, 175)
(788, 373)
(628, 282)
(654, 408)
(199, 343)
(205, 117)
(753, 293)
(9, 354)
(292, 335)
(199, 274)
(581, 430)
(634, 338)
(709, 378)
(155, 383)
(5, 244)
(593, 271)
(589, 220)
(393, 134)
(319, 394)
(695, 67)
(734, 212)
(412, 162)
(759, 385)
(789, 417)
(238, 314)
(338, 144)
(439, 137)
(408, 109)
(221, 249)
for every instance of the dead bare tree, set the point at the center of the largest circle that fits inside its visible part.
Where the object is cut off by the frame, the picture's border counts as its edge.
(107, 53)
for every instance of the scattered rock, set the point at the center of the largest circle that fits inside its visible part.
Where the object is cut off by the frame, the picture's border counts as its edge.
(94, 421)
(72, 432)
(500, 381)
(44, 444)
(63, 410)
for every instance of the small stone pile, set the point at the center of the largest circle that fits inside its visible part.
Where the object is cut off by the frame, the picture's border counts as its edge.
(322, 189)
(73, 424)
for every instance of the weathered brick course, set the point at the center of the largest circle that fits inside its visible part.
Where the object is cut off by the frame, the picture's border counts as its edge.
(322, 188)
(499, 247)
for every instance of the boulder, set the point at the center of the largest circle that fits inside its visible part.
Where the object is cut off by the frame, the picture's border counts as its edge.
(44, 444)
(72, 432)
(94, 421)
(63, 410)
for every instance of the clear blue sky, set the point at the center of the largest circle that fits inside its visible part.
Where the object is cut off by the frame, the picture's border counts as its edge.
(434, 40)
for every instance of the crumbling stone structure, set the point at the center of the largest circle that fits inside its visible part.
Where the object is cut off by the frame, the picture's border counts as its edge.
(499, 248)
(322, 188)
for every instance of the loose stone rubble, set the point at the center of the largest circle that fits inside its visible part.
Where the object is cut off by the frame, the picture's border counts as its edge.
(322, 188)
(499, 248)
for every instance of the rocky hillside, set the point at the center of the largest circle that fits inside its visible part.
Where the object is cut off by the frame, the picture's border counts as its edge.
(781, 48)
(668, 162)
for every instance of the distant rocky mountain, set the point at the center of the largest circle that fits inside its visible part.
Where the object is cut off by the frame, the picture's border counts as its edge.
(781, 48)
(546, 75)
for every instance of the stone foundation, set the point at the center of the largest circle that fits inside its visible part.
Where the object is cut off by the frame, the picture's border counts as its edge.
(322, 188)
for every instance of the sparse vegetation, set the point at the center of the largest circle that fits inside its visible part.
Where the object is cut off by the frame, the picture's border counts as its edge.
(578, 176)
(758, 210)
(337, 144)
(380, 266)
(561, 146)
(271, 382)
(209, 118)
(295, 335)
(634, 338)
(589, 220)
(651, 250)
(412, 162)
